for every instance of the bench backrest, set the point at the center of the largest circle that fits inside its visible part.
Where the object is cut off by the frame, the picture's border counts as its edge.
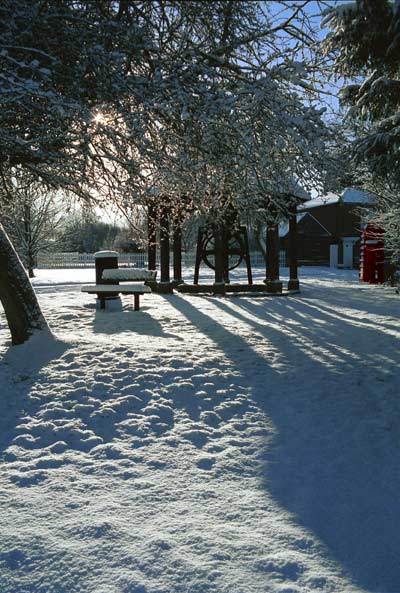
(129, 274)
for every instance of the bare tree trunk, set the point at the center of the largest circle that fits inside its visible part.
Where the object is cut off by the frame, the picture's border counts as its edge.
(177, 247)
(17, 296)
(151, 237)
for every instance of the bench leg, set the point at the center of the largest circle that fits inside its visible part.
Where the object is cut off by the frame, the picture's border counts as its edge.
(102, 302)
(136, 299)
(105, 302)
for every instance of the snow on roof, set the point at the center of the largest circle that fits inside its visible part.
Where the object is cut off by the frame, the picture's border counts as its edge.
(348, 196)
(298, 191)
(284, 226)
(356, 196)
(330, 198)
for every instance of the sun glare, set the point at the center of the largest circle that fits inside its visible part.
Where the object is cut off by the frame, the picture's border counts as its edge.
(98, 118)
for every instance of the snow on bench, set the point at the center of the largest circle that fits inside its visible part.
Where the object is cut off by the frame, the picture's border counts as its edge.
(136, 274)
(107, 290)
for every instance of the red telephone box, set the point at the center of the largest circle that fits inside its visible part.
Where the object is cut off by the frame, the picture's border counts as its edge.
(372, 255)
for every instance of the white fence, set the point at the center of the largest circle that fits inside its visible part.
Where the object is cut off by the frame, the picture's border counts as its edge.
(133, 260)
(86, 260)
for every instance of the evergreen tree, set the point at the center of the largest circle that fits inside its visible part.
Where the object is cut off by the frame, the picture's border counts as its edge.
(365, 43)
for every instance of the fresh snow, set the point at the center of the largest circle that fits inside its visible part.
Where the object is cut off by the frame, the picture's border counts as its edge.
(348, 196)
(283, 228)
(356, 196)
(339, 11)
(298, 191)
(129, 274)
(239, 444)
(101, 254)
(327, 199)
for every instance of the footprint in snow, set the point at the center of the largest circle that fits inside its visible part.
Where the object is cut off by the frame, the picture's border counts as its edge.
(205, 463)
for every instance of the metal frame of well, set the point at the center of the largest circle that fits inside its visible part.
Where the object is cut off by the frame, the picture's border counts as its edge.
(164, 222)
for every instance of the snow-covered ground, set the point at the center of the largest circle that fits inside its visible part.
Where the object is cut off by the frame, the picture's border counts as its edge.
(239, 444)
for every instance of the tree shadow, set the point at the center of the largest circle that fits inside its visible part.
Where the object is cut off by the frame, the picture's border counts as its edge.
(23, 366)
(334, 462)
(352, 297)
(139, 322)
(353, 315)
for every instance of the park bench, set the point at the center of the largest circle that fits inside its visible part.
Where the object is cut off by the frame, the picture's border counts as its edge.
(129, 274)
(105, 291)
(112, 287)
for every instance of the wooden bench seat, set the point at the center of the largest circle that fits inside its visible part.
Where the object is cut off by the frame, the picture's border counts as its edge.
(104, 290)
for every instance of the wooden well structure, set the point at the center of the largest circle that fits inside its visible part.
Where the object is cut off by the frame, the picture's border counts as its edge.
(222, 246)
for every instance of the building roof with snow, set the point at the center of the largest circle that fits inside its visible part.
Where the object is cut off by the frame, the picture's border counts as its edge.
(284, 225)
(298, 191)
(348, 196)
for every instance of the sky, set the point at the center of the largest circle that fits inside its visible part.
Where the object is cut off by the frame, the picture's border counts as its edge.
(314, 9)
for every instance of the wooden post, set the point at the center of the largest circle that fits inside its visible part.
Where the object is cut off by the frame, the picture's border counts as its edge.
(164, 244)
(177, 249)
(219, 282)
(247, 255)
(293, 283)
(272, 272)
(151, 236)
(224, 254)
(199, 256)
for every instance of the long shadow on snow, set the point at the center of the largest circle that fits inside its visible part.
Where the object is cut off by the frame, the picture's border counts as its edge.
(358, 295)
(21, 367)
(130, 321)
(334, 463)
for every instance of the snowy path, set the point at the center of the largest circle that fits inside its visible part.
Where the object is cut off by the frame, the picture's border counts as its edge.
(204, 445)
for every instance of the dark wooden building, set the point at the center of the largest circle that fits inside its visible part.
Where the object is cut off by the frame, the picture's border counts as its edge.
(329, 227)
